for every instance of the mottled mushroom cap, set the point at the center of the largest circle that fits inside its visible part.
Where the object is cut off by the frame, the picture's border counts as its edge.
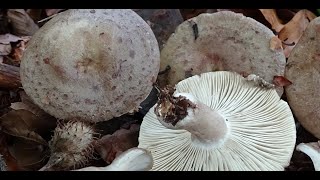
(261, 129)
(222, 41)
(303, 70)
(91, 64)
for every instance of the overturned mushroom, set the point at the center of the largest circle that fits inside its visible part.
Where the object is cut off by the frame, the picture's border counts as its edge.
(219, 121)
(91, 65)
(134, 159)
(303, 70)
(311, 149)
(221, 41)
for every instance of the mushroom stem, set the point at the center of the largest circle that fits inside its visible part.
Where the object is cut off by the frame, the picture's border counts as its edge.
(313, 151)
(134, 159)
(184, 111)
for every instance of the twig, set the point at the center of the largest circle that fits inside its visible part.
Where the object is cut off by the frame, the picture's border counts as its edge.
(47, 18)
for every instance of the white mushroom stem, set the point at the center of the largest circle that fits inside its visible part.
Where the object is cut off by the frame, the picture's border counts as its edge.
(134, 159)
(313, 151)
(206, 125)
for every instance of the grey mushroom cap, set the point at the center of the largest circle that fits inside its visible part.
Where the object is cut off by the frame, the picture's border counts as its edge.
(256, 131)
(91, 64)
(221, 41)
(303, 70)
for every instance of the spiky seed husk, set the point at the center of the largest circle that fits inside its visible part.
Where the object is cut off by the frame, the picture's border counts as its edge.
(71, 146)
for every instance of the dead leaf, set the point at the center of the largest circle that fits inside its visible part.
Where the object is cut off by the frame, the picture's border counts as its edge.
(27, 104)
(28, 154)
(23, 124)
(18, 50)
(51, 12)
(11, 163)
(273, 19)
(281, 81)
(8, 38)
(110, 146)
(5, 49)
(21, 22)
(293, 30)
(35, 14)
(275, 43)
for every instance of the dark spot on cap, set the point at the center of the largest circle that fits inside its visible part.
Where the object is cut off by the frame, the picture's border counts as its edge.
(92, 11)
(113, 88)
(130, 78)
(46, 60)
(114, 75)
(88, 101)
(312, 38)
(143, 69)
(120, 40)
(131, 54)
(37, 63)
(39, 83)
(64, 96)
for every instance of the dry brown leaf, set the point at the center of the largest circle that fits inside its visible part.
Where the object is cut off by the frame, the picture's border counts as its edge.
(35, 14)
(110, 146)
(28, 154)
(23, 124)
(27, 104)
(11, 163)
(281, 81)
(21, 22)
(51, 12)
(275, 43)
(272, 18)
(18, 50)
(293, 30)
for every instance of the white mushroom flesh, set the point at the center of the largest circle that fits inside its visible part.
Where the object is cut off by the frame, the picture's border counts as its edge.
(134, 159)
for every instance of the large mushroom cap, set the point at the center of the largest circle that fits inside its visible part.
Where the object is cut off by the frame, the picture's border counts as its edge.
(91, 64)
(221, 41)
(260, 130)
(303, 70)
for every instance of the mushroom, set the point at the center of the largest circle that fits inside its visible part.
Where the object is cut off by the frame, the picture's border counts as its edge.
(91, 64)
(221, 41)
(219, 121)
(303, 70)
(134, 159)
(312, 149)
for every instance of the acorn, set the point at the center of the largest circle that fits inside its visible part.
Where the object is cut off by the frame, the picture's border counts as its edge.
(71, 146)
